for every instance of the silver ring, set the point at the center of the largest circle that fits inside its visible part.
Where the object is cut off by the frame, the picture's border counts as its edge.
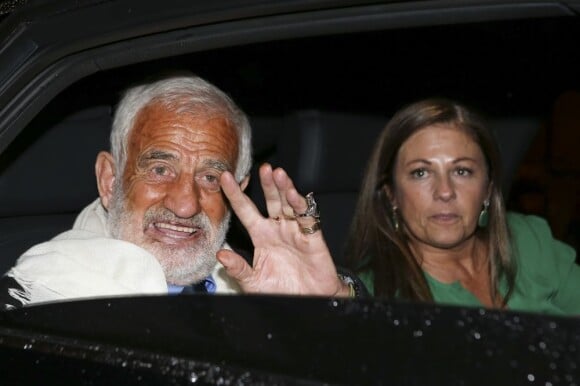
(311, 208)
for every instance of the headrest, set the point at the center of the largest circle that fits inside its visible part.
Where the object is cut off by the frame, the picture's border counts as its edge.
(327, 151)
(49, 168)
(514, 136)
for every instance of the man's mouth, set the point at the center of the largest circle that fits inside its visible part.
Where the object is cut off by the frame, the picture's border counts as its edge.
(167, 231)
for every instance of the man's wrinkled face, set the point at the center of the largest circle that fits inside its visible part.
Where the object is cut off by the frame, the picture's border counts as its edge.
(168, 200)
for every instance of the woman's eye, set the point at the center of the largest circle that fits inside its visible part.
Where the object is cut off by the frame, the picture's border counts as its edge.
(463, 172)
(419, 173)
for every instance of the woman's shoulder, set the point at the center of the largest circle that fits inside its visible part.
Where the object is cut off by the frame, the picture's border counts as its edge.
(531, 236)
(527, 228)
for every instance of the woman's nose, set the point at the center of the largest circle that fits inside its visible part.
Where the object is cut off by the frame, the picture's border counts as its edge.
(444, 188)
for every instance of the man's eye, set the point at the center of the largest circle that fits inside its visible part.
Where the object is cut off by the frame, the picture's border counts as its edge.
(160, 170)
(209, 182)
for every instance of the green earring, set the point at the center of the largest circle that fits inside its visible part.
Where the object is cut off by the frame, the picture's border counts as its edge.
(483, 215)
(395, 218)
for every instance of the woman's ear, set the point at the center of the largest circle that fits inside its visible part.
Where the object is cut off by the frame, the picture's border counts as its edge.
(105, 172)
(489, 191)
(390, 196)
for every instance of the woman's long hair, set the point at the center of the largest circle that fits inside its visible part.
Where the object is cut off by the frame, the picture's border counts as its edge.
(375, 244)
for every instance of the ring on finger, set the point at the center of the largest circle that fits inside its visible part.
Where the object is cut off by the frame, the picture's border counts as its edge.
(311, 208)
(311, 229)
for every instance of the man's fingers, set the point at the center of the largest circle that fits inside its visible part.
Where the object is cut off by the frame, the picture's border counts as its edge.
(293, 201)
(271, 192)
(284, 185)
(236, 266)
(241, 204)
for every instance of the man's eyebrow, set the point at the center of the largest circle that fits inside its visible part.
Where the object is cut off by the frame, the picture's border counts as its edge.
(155, 155)
(217, 164)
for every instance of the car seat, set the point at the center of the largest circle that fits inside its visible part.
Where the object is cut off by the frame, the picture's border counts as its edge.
(46, 177)
(326, 153)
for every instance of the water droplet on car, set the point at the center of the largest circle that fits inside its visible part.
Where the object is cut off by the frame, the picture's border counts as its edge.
(542, 345)
(193, 377)
(531, 377)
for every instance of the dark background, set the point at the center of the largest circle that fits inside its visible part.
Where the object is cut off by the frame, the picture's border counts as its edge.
(516, 68)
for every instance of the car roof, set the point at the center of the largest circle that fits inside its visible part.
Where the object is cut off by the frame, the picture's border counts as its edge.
(48, 45)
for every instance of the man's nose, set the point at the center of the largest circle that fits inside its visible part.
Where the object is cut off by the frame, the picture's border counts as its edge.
(182, 197)
(444, 188)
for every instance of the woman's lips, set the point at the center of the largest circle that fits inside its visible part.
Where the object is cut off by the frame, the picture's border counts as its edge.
(445, 217)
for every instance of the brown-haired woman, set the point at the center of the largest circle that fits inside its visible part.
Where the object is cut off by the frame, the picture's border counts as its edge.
(430, 224)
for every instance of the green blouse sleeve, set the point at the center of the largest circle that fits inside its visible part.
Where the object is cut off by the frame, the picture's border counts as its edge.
(548, 263)
(367, 277)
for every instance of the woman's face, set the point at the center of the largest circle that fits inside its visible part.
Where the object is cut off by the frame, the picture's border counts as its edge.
(440, 185)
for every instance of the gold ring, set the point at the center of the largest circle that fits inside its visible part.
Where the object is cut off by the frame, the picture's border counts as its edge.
(310, 230)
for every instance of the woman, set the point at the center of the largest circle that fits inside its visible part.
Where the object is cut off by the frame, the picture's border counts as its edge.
(430, 224)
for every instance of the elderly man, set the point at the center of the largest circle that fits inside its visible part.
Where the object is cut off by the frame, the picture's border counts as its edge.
(180, 157)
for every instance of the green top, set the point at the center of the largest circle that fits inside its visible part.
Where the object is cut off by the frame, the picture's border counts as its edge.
(547, 279)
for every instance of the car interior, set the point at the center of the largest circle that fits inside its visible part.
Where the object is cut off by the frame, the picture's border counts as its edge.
(316, 106)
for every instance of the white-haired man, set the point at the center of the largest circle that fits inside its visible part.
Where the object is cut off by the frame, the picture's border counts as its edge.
(180, 159)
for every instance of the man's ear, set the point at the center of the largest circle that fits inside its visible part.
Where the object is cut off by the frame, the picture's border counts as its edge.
(245, 182)
(105, 172)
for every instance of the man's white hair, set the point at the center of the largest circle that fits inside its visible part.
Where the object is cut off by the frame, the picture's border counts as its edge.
(183, 94)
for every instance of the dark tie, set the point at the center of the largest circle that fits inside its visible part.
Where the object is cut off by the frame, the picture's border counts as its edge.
(198, 288)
